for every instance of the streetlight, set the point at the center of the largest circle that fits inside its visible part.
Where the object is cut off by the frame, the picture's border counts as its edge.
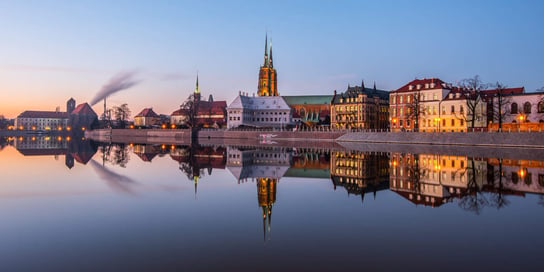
(521, 117)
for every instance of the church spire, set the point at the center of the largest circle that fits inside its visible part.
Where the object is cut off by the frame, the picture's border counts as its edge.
(271, 63)
(266, 50)
(197, 90)
(363, 85)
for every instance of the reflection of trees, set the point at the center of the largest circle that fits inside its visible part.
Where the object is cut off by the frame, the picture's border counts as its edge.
(473, 200)
(476, 199)
(116, 154)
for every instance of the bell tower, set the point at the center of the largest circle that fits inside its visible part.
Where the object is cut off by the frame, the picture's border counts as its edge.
(267, 74)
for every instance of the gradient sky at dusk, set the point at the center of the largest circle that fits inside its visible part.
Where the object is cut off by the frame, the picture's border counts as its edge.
(54, 50)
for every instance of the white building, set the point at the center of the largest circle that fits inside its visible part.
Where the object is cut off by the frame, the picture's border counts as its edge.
(262, 111)
(522, 108)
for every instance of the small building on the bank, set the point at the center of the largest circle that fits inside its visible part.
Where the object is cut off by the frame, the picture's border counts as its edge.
(360, 108)
(147, 118)
(259, 112)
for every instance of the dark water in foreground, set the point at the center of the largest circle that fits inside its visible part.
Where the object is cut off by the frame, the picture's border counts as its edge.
(79, 206)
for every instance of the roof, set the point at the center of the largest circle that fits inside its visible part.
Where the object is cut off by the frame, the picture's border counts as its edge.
(205, 107)
(147, 112)
(505, 91)
(425, 84)
(44, 114)
(307, 99)
(259, 103)
(354, 91)
(84, 109)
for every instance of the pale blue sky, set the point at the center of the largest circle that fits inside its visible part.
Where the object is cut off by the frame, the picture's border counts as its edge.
(52, 50)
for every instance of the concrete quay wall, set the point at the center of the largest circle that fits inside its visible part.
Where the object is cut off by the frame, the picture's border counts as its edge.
(483, 139)
(266, 136)
(141, 136)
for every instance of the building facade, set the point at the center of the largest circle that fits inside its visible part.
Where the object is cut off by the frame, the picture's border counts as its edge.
(360, 108)
(268, 80)
(207, 114)
(415, 106)
(263, 111)
(147, 118)
(519, 111)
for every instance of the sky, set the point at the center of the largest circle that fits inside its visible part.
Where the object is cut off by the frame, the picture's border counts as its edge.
(53, 50)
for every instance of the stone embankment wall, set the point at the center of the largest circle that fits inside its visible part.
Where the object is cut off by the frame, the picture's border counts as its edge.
(484, 139)
(271, 135)
(143, 136)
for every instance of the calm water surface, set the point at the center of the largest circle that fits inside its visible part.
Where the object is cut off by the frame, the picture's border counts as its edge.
(69, 205)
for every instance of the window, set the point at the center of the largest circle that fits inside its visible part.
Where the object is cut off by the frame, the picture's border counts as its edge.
(515, 178)
(408, 99)
(527, 107)
(541, 106)
(461, 109)
(443, 122)
(462, 164)
(452, 122)
(452, 109)
(462, 123)
(400, 99)
(514, 108)
(541, 180)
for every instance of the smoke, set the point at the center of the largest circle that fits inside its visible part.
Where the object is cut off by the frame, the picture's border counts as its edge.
(119, 82)
(117, 182)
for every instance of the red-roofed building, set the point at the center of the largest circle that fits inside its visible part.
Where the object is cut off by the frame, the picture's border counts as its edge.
(147, 118)
(207, 113)
(415, 106)
(42, 120)
(83, 117)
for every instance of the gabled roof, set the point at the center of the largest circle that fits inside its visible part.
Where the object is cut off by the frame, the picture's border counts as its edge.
(425, 84)
(505, 91)
(147, 112)
(353, 92)
(205, 107)
(307, 99)
(259, 103)
(44, 114)
(84, 109)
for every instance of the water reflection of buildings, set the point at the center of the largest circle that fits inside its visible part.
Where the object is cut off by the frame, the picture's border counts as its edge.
(193, 160)
(74, 150)
(266, 167)
(433, 180)
(360, 172)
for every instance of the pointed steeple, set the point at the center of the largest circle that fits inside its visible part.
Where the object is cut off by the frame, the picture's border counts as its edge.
(374, 85)
(197, 90)
(266, 50)
(363, 85)
(271, 62)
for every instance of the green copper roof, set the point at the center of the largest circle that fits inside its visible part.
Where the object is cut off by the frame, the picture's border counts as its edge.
(307, 99)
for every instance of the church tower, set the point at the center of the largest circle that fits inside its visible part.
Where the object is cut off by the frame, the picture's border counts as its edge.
(268, 82)
(266, 194)
(197, 90)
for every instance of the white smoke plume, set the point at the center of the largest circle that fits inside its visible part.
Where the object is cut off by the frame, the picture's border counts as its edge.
(119, 82)
(117, 182)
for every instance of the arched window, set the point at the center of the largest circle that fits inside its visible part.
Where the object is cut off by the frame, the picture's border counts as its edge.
(541, 106)
(514, 108)
(527, 107)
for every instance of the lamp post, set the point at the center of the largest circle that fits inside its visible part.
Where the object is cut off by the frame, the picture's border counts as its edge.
(521, 117)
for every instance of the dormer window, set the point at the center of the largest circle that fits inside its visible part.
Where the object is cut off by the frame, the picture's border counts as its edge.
(411, 87)
(451, 95)
(426, 85)
(418, 86)
(433, 85)
(457, 95)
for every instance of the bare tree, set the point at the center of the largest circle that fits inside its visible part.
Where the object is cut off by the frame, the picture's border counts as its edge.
(471, 89)
(415, 110)
(190, 108)
(502, 101)
(122, 114)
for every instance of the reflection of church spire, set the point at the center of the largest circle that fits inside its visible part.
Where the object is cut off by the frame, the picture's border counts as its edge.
(266, 190)
(195, 178)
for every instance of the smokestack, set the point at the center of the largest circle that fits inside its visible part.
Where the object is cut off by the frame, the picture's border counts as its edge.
(105, 109)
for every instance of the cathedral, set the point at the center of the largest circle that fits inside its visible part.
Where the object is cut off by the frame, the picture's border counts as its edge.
(268, 81)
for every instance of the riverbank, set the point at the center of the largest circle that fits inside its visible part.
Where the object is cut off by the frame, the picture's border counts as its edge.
(183, 137)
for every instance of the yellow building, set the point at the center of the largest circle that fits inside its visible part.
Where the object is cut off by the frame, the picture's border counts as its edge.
(360, 108)
(268, 81)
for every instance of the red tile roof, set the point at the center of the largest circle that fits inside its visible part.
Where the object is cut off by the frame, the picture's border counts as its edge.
(84, 109)
(147, 112)
(505, 91)
(205, 107)
(44, 114)
(438, 84)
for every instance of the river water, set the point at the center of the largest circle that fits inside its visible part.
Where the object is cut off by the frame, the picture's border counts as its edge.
(75, 205)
